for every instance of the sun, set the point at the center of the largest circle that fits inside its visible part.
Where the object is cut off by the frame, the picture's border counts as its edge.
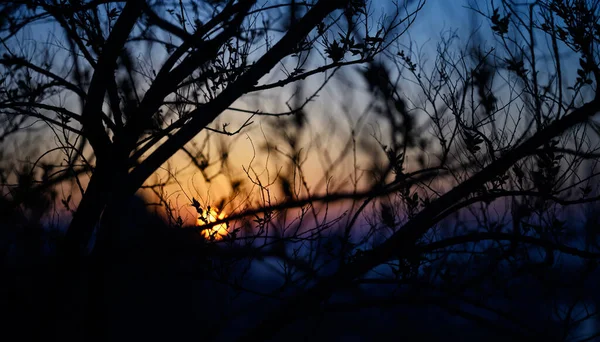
(216, 232)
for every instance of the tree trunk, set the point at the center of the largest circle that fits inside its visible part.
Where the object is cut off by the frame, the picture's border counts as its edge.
(83, 272)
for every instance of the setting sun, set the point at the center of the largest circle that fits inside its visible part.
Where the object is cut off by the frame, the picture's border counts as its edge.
(216, 232)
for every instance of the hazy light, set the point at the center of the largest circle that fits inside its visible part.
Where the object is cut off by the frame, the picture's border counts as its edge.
(216, 232)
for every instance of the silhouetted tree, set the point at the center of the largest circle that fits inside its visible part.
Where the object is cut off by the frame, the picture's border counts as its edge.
(456, 190)
(117, 116)
(512, 126)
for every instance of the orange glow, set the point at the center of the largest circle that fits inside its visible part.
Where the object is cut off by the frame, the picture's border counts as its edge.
(216, 232)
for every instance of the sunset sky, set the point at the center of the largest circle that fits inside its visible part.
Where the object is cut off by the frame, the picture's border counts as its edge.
(332, 115)
(339, 109)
